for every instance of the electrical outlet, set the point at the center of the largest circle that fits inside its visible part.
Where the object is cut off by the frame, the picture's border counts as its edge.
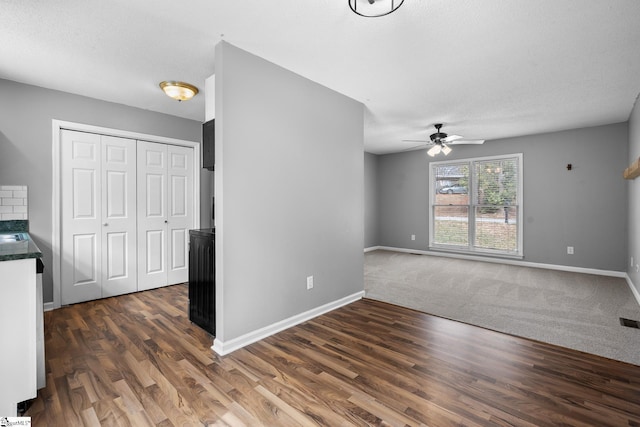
(413, 237)
(570, 250)
(631, 261)
(309, 282)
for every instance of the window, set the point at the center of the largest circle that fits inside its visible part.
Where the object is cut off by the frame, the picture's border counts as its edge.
(476, 205)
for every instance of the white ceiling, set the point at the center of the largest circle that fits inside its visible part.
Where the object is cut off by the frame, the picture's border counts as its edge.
(487, 69)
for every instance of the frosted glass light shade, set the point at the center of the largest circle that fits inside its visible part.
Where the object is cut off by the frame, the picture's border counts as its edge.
(434, 150)
(179, 90)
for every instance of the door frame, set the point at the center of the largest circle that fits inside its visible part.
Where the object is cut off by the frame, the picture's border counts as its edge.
(56, 217)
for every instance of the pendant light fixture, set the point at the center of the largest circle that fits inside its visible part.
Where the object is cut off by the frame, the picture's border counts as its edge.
(374, 8)
(180, 91)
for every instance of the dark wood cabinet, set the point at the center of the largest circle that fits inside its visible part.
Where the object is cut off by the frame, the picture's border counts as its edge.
(202, 279)
(209, 145)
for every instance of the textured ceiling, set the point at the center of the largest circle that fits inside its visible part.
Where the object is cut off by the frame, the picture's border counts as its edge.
(487, 69)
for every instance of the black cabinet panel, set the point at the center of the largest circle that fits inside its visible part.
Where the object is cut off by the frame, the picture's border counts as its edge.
(208, 144)
(202, 279)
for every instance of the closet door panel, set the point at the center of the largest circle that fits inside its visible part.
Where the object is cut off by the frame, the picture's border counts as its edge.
(180, 215)
(156, 242)
(126, 209)
(152, 215)
(85, 262)
(81, 217)
(119, 205)
(117, 255)
(155, 196)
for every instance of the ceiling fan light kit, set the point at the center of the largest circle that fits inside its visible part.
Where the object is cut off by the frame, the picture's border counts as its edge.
(179, 91)
(433, 151)
(374, 8)
(437, 149)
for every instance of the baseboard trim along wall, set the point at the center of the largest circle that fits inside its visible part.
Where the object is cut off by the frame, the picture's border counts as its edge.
(48, 306)
(223, 348)
(634, 291)
(595, 271)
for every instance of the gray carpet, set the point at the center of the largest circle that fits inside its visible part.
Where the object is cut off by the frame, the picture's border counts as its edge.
(574, 310)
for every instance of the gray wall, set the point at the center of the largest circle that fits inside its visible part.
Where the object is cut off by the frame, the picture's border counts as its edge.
(26, 139)
(634, 197)
(371, 205)
(289, 193)
(585, 208)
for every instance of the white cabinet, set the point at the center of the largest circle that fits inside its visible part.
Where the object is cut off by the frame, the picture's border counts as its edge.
(41, 373)
(165, 213)
(18, 332)
(126, 208)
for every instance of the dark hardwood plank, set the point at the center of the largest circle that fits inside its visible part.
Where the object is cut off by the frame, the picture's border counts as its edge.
(136, 360)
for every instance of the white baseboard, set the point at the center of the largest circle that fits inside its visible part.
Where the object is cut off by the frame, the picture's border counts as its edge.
(372, 248)
(226, 347)
(634, 291)
(48, 306)
(595, 271)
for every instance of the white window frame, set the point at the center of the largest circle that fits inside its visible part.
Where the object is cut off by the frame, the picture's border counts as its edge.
(472, 191)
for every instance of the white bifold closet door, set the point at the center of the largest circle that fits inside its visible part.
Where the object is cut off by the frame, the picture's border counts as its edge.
(98, 198)
(165, 203)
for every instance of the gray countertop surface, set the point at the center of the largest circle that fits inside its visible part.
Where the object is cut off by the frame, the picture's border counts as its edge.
(21, 249)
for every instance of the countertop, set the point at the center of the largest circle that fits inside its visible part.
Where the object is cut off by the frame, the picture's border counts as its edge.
(22, 249)
(203, 231)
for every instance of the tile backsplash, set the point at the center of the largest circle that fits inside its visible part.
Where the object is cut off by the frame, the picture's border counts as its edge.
(13, 202)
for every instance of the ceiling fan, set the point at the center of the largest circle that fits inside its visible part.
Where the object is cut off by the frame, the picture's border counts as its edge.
(441, 142)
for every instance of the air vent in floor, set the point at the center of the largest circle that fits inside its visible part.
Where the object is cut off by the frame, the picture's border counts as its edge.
(629, 323)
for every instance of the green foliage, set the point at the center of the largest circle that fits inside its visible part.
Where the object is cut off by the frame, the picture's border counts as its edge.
(497, 182)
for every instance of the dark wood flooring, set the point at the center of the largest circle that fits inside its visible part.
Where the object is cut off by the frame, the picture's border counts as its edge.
(136, 360)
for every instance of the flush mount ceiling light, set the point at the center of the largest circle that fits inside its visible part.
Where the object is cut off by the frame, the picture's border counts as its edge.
(374, 8)
(179, 90)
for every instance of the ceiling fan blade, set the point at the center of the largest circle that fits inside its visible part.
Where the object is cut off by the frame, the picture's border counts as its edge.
(416, 147)
(417, 140)
(466, 141)
(451, 138)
